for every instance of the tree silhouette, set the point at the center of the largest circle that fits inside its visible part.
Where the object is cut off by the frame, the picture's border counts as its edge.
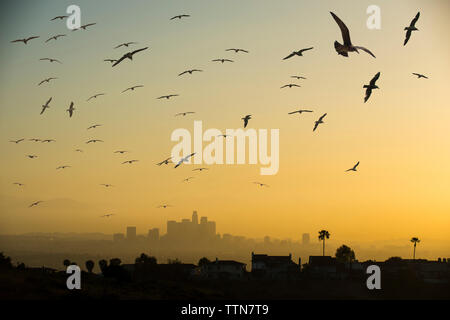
(324, 234)
(203, 261)
(5, 262)
(415, 240)
(103, 264)
(66, 263)
(145, 260)
(90, 265)
(345, 255)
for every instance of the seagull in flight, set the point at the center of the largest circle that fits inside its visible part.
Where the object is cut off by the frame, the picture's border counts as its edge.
(298, 53)
(62, 167)
(411, 28)
(300, 111)
(31, 156)
(17, 141)
(109, 215)
(35, 204)
(78, 150)
(298, 77)
(164, 206)
(128, 55)
(344, 49)
(319, 122)
(354, 167)
(184, 113)
(290, 85)
(85, 26)
(121, 151)
(180, 16)
(126, 44)
(167, 161)
(46, 105)
(420, 75)
(222, 60)
(55, 37)
(237, 50)
(188, 179)
(95, 96)
(190, 71)
(168, 96)
(200, 169)
(132, 88)
(94, 126)
(130, 161)
(71, 109)
(59, 17)
(371, 86)
(261, 184)
(94, 141)
(34, 140)
(48, 141)
(25, 41)
(185, 159)
(46, 80)
(107, 185)
(246, 118)
(18, 184)
(50, 59)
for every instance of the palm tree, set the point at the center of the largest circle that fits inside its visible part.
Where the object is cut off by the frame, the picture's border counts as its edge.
(90, 265)
(415, 240)
(324, 234)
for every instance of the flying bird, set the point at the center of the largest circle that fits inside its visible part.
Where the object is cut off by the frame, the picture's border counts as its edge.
(46, 80)
(319, 122)
(190, 71)
(121, 151)
(94, 126)
(109, 215)
(164, 206)
(59, 17)
(185, 159)
(188, 179)
(48, 141)
(223, 135)
(46, 105)
(298, 77)
(246, 118)
(130, 161)
(411, 28)
(18, 184)
(95, 96)
(261, 184)
(344, 49)
(128, 55)
(132, 88)
(354, 167)
(85, 26)
(35, 204)
(420, 75)
(167, 161)
(298, 53)
(106, 185)
(31, 156)
(168, 96)
(222, 60)
(50, 59)
(180, 16)
(78, 150)
(126, 44)
(237, 50)
(25, 40)
(184, 113)
(17, 141)
(62, 167)
(94, 141)
(371, 86)
(290, 85)
(71, 109)
(300, 111)
(200, 169)
(55, 37)
(34, 140)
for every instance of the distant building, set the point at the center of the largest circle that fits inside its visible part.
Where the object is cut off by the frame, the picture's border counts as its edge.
(153, 234)
(305, 239)
(223, 269)
(266, 240)
(274, 267)
(131, 233)
(191, 230)
(118, 237)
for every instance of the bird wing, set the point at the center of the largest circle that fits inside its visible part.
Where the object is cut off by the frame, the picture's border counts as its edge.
(183, 73)
(303, 50)
(293, 112)
(289, 56)
(368, 93)
(366, 50)
(356, 165)
(344, 30)
(316, 125)
(413, 22)
(323, 116)
(408, 35)
(138, 50)
(49, 100)
(18, 40)
(374, 79)
(119, 61)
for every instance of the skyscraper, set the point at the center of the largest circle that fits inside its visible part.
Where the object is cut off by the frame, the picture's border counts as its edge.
(131, 233)
(194, 217)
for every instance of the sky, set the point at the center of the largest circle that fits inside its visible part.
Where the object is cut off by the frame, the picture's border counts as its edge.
(400, 136)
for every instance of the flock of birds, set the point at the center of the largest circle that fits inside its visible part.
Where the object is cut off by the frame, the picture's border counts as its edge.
(342, 49)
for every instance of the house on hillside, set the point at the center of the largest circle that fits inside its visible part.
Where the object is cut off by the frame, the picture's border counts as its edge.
(223, 269)
(274, 267)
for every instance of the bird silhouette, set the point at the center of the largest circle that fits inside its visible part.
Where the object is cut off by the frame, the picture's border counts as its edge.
(84, 27)
(106, 185)
(320, 121)
(126, 44)
(35, 204)
(188, 179)
(180, 16)
(132, 88)
(261, 184)
(62, 167)
(25, 40)
(130, 161)
(18, 184)
(71, 109)
(128, 55)
(47, 80)
(168, 96)
(95, 96)
(353, 168)
(55, 37)
(166, 161)
(94, 141)
(190, 71)
(17, 141)
(300, 111)
(31, 156)
(411, 28)
(185, 159)
(290, 85)
(371, 86)
(59, 17)
(420, 75)
(164, 206)
(246, 119)
(347, 46)
(200, 169)
(298, 77)
(121, 151)
(297, 53)
(50, 60)
(222, 60)
(236, 50)
(94, 126)
(184, 113)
